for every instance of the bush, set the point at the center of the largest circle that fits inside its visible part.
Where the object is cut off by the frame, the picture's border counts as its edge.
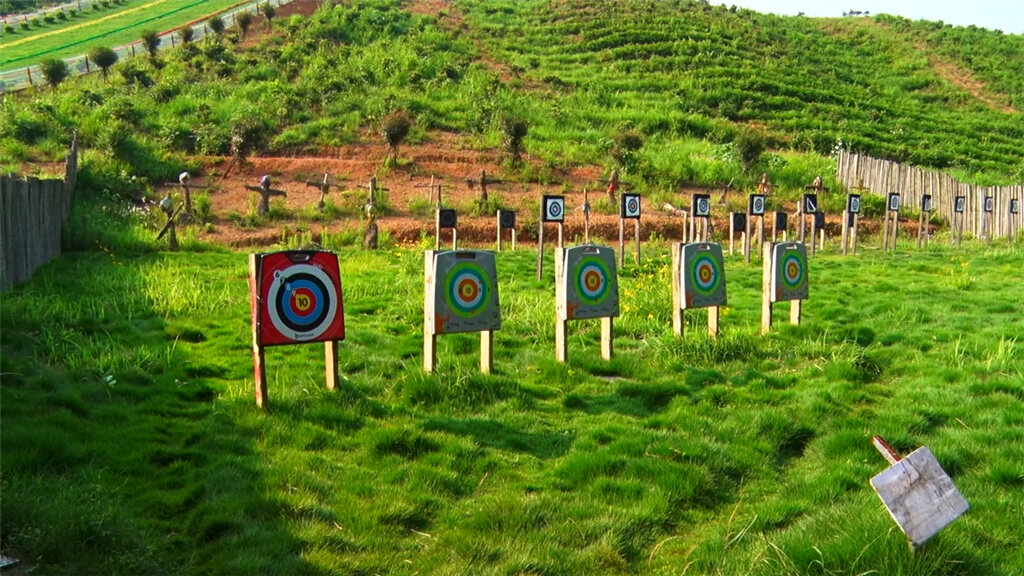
(750, 144)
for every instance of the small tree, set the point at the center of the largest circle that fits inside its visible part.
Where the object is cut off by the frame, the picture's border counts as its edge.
(55, 71)
(103, 57)
(151, 42)
(186, 34)
(750, 144)
(268, 12)
(395, 128)
(514, 131)
(243, 19)
(625, 143)
(216, 23)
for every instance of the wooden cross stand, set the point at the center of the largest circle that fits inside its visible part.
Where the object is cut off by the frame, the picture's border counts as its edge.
(586, 216)
(430, 191)
(167, 205)
(892, 221)
(265, 192)
(917, 492)
(851, 217)
(700, 209)
(586, 286)
(755, 209)
(629, 209)
(956, 226)
(460, 295)
(483, 181)
(185, 181)
(613, 185)
(506, 221)
(698, 281)
(784, 278)
(922, 220)
(296, 298)
(552, 209)
(324, 186)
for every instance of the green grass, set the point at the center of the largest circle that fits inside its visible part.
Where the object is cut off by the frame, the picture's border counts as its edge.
(114, 26)
(132, 444)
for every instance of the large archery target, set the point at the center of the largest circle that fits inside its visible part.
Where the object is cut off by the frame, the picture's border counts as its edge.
(789, 272)
(630, 206)
(703, 276)
(553, 209)
(701, 205)
(299, 298)
(591, 286)
(757, 204)
(463, 292)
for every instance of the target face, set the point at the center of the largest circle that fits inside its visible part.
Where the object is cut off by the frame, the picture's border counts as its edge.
(630, 206)
(894, 202)
(959, 203)
(462, 292)
(299, 298)
(447, 218)
(990, 203)
(781, 221)
(701, 205)
(507, 219)
(1014, 206)
(926, 203)
(757, 204)
(819, 220)
(789, 272)
(810, 203)
(553, 209)
(739, 221)
(589, 286)
(702, 275)
(853, 203)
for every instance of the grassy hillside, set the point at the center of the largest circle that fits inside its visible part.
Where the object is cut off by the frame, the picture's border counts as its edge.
(686, 78)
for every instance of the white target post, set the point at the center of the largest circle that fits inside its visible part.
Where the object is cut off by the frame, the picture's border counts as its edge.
(586, 286)
(296, 298)
(698, 281)
(552, 209)
(785, 278)
(629, 209)
(460, 291)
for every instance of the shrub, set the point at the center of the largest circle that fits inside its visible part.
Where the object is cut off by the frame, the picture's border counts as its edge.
(750, 144)
(103, 57)
(49, 18)
(8, 29)
(244, 20)
(514, 132)
(395, 128)
(55, 71)
(186, 34)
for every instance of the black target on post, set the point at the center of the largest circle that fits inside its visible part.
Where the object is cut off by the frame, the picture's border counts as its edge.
(757, 204)
(810, 203)
(630, 207)
(894, 202)
(990, 204)
(819, 220)
(959, 203)
(507, 219)
(781, 221)
(553, 208)
(926, 202)
(1014, 206)
(853, 204)
(447, 218)
(739, 221)
(701, 206)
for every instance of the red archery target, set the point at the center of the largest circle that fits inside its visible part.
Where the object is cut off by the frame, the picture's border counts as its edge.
(299, 298)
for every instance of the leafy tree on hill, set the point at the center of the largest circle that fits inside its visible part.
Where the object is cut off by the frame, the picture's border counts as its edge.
(749, 144)
(396, 128)
(151, 42)
(269, 12)
(186, 34)
(514, 131)
(103, 57)
(243, 19)
(216, 23)
(55, 71)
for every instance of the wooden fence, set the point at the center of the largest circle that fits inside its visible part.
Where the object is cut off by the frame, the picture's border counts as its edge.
(883, 176)
(32, 214)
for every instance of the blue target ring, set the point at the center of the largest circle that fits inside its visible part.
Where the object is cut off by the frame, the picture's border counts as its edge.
(467, 290)
(301, 301)
(593, 280)
(706, 274)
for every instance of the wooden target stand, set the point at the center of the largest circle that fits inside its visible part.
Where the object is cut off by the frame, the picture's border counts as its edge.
(809, 207)
(446, 219)
(506, 220)
(892, 222)
(698, 281)
(956, 224)
(295, 298)
(923, 220)
(851, 220)
(552, 209)
(987, 208)
(460, 294)
(1012, 210)
(756, 205)
(700, 218)
(629, 209)
(780, 226)
(577, 270)
(784, 278)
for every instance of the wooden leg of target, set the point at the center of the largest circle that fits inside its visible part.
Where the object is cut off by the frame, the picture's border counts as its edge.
(795, 306)
(486, 351)
(260, 373)
(331, 363)
(821, 239)
(677, 291)
(513, 239)
(637, 233)
(766, 289)
(607, 338)
(429, 352)
(713, 321)
(561, 341)
(429, 338)
(622, 243)
(455, 239)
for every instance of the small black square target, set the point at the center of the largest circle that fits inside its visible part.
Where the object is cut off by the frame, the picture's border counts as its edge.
(739, 221)
(781, 221)
(819, 220)
(447, 218)
(990, 204)
(926, 203)
(959, 203)
(507, 219)
(853, 203)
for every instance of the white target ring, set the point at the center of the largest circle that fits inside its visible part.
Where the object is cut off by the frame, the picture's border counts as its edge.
(554, 209)
(703, 207)
(758, 206)
(302, 302)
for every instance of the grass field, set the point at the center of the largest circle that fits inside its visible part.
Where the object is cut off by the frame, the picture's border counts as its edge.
(114, 26)
(132, 444)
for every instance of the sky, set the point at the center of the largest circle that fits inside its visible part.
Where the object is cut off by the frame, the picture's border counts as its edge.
(1005, 15)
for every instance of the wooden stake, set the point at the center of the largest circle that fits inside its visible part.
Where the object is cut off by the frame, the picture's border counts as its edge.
(622, 243)
(636, 232)
(429, 338)
(713, 321)
(607, 338)
(795, 307)
(331, 363)
(677, 290)
(258, 364)
(486, 351)
(766, 288)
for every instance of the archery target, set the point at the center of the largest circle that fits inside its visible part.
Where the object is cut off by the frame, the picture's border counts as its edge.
(630, 206)
(702, 276)
(299, 298)
(926, 203)
(853, 203)
(959, 203)
(990, 203)
(894, 202)
(781, 221)
(590, 287)
(462, 292)
(1014, 206)
(810, 203)
(507, 219)
(553, 209)
(701, 205)
(789, 272)
(739, 221)
(819, 220)
(447, 218)
(757, 204)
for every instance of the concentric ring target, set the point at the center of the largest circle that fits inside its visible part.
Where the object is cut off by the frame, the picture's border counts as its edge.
(554, 209)
(302, 302)
(467, 290)
(706, 274)
(632, 206)
(593, 280)
(793, 269)
(758, 205)
(703, 208)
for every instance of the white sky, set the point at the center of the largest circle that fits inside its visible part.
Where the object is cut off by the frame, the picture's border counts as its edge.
(1005, 15)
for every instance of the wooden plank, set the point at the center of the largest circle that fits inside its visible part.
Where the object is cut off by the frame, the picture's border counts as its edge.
(486, 351)
(766, 288)
(607, 337)
(429, 338)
